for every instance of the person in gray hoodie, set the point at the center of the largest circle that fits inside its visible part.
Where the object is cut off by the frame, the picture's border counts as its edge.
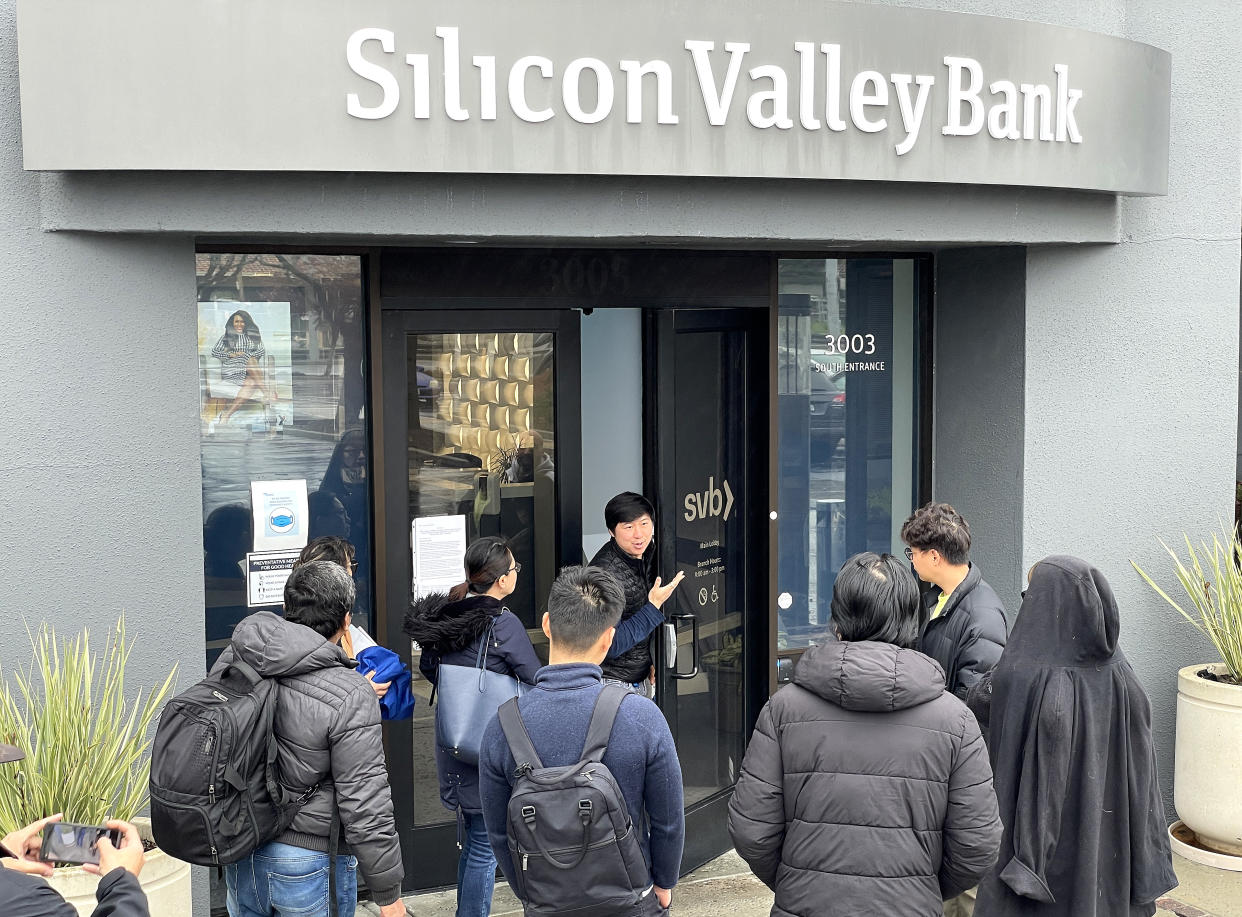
(865, 783)
(327, 726)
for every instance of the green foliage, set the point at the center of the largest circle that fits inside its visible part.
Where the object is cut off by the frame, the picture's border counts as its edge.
(1212, 579)
(85, 744)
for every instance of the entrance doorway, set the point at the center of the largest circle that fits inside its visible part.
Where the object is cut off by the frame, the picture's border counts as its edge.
(710, 391)
(481, 424)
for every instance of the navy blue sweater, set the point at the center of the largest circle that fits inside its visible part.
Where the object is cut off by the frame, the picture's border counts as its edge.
(640, 755)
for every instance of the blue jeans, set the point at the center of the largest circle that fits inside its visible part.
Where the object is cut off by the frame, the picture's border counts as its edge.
(476, 868)
(279, 880)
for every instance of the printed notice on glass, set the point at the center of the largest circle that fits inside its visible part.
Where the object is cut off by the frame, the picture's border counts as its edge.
(266, 572)
(280, 516)
(439, 545)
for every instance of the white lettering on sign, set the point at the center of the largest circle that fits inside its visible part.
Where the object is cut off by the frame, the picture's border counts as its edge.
(1042, 112)
(711, 502)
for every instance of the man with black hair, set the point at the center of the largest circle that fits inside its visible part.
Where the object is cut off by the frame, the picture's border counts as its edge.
(629, 556)
(584, 606)
(327, 726)
(965, 624)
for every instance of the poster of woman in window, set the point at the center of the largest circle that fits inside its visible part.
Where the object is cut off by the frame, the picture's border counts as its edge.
(246, 366)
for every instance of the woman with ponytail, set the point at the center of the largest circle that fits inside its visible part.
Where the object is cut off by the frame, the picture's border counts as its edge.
(450, 628)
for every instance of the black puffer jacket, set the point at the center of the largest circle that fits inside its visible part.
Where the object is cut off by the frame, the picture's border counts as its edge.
(865, 785)
(328, 733)
(969, 635)
(636, 576)
(452, 632)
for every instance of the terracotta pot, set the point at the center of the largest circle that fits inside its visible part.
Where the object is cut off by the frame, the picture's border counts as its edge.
(165, 880)
(1208, 766)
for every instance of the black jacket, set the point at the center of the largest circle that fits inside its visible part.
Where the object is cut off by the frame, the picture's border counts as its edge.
(968, 636)
(452, 633)
(118, 894)
(865, 785)
(1075, 765)
(636, 576)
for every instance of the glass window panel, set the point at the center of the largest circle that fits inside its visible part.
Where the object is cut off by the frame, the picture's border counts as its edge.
(282, 381)
(846, 370)
(483, 445)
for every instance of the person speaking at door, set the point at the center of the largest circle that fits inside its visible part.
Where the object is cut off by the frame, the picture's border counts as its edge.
(451, 629)
(629, 556)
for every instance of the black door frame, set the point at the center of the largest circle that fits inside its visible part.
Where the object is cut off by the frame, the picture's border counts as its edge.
(430, 852)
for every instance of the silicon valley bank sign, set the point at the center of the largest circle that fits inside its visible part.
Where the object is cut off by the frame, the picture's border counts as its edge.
(789, 89)
(1025, 111)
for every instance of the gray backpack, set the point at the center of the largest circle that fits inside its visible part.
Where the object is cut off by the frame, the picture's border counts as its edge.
(573, 846)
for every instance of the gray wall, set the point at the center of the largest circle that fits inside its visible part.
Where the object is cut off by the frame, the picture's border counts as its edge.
(979, 407)
(99, 464)
(612, 423)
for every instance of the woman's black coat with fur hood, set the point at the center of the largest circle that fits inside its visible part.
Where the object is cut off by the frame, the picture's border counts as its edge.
(451, 632)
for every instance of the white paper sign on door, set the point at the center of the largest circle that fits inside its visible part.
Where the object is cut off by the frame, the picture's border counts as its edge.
(438, 544)
(280, 516)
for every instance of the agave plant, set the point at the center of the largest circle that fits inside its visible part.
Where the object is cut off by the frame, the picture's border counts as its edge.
(1212, 579)
(85, 742)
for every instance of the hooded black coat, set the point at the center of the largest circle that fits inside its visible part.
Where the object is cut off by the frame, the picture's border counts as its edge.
(865, 789)
(452, 632)
(1075, 768)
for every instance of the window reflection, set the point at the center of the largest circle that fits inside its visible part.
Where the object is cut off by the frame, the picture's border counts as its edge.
(482, 445)
(846, 368)
(282, 395)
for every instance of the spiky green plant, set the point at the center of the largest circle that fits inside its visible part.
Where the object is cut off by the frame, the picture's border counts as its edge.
(1212, 579)
(85, 743)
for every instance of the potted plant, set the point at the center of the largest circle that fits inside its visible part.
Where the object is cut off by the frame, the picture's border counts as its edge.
(1207, 766)
(86, 744)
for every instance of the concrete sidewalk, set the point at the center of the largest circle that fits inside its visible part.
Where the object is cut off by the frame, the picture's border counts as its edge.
(725, 887)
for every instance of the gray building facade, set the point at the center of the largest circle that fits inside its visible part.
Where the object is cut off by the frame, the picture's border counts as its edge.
(1073, 384)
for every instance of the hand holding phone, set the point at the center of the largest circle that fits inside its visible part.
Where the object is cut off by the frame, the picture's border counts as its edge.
(66, 842)
(127, 855)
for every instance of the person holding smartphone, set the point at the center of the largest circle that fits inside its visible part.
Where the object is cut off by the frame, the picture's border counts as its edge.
(23, 893)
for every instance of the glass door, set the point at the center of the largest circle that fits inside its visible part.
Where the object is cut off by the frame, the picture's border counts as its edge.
(475, 405)
(710, 443)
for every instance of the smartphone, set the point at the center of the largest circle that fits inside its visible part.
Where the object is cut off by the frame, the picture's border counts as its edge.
(64, 842)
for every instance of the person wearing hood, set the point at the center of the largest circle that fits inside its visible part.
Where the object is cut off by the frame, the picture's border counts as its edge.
(328, 737)
(866, 784)
(450, 628)
(1075, 765)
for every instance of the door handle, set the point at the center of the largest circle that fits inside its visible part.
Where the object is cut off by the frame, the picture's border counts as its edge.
(694, 645)
(669, 629)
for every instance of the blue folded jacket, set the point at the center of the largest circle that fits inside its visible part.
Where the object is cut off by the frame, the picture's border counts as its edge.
(398, 703)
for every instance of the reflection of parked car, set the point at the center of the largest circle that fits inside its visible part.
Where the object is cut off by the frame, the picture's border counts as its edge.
(428, 388)
(827, 414)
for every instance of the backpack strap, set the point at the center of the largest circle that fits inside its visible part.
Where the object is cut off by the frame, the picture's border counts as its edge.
(520, 745)
(607, 704)
(246, 670)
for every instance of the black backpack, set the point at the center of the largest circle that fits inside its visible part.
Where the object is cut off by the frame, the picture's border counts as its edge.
(573, 846)
(214, 792)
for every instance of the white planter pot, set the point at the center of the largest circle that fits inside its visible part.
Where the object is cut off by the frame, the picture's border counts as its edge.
(1208, 768)
(165, 880)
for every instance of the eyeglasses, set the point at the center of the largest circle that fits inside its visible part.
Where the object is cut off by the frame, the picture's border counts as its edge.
(909, 553)
(516, 568)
